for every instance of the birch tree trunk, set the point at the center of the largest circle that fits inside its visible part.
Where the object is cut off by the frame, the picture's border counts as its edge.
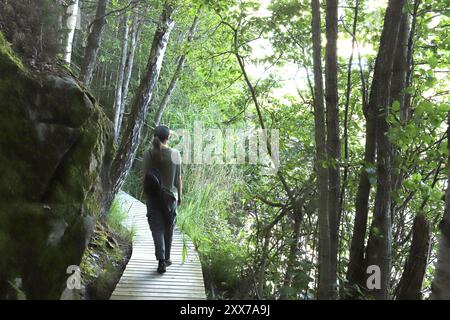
(333, 141)
(72, 12)
(440, 289)
(120, 77)
(139, 108)
(325, 287)
(176, 76)
(129, 65)
(93, 43)
(379, 246)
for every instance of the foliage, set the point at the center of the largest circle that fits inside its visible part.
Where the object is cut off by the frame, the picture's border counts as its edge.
(116, 220)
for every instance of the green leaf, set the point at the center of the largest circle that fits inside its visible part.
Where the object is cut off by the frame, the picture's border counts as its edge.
(443, 107)
(409, 184)
(395, 105)
(425, 106)
(416, 177)
(184, 252)
(433, 62)
(443, 148)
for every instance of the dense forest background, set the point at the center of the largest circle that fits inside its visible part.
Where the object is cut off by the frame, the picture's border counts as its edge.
(358, 91)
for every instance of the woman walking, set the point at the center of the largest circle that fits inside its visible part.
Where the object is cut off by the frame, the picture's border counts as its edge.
(163, 187)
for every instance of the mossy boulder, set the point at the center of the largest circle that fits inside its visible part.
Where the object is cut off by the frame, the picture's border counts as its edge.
(55, 142)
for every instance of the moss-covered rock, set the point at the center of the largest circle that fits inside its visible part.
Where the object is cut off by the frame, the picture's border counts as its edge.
(54, 139)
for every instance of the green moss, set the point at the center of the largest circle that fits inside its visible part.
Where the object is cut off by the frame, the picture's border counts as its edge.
(7, 57)
(103, 262)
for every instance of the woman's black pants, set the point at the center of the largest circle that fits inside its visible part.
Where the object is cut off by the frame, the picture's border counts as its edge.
(161, 214)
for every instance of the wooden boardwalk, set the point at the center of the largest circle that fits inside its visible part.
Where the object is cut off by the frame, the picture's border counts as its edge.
(140, 281)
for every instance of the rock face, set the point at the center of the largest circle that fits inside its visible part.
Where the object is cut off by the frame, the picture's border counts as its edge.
(54, 144)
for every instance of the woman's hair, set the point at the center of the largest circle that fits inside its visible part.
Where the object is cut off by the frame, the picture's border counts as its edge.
(156, 143)
(161, 135)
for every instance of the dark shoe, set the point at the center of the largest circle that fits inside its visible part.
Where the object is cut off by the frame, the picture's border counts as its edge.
(161, 266)
(168, 262)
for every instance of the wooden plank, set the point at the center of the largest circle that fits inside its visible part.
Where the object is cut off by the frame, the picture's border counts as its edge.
(159, 294)
(156, 290)
(162, 286)
(140, 279)
(151, 268)
(173, 282)
(138, 283)
(149, 277)
(171, 268)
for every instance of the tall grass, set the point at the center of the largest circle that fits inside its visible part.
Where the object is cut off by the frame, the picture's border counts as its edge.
(209, 193)
(210, 207)
(116, 218)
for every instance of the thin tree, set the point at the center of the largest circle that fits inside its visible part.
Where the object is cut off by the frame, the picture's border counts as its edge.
(134, 34)
(348, 92)
(379, 245)
(120, 76)
(398, 86)
(72, 12)
(333, 140)
(325, 286)
(176, 75)
(440, 289)
(93, 43)
(410, 285)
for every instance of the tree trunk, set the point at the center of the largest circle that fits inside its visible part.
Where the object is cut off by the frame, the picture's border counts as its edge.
(72, 12)
(325, 286)
(401, 66)
(120, 77)
(398, 87)
(333, 141)
(293, 250)
(93, 43)
(262, 268)
(410, 52)
(355, 271)
(129, 65)
(410, 285)
(346, 112)
(379, 246)
(440, 289)
(176, 76)
(139, 107)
